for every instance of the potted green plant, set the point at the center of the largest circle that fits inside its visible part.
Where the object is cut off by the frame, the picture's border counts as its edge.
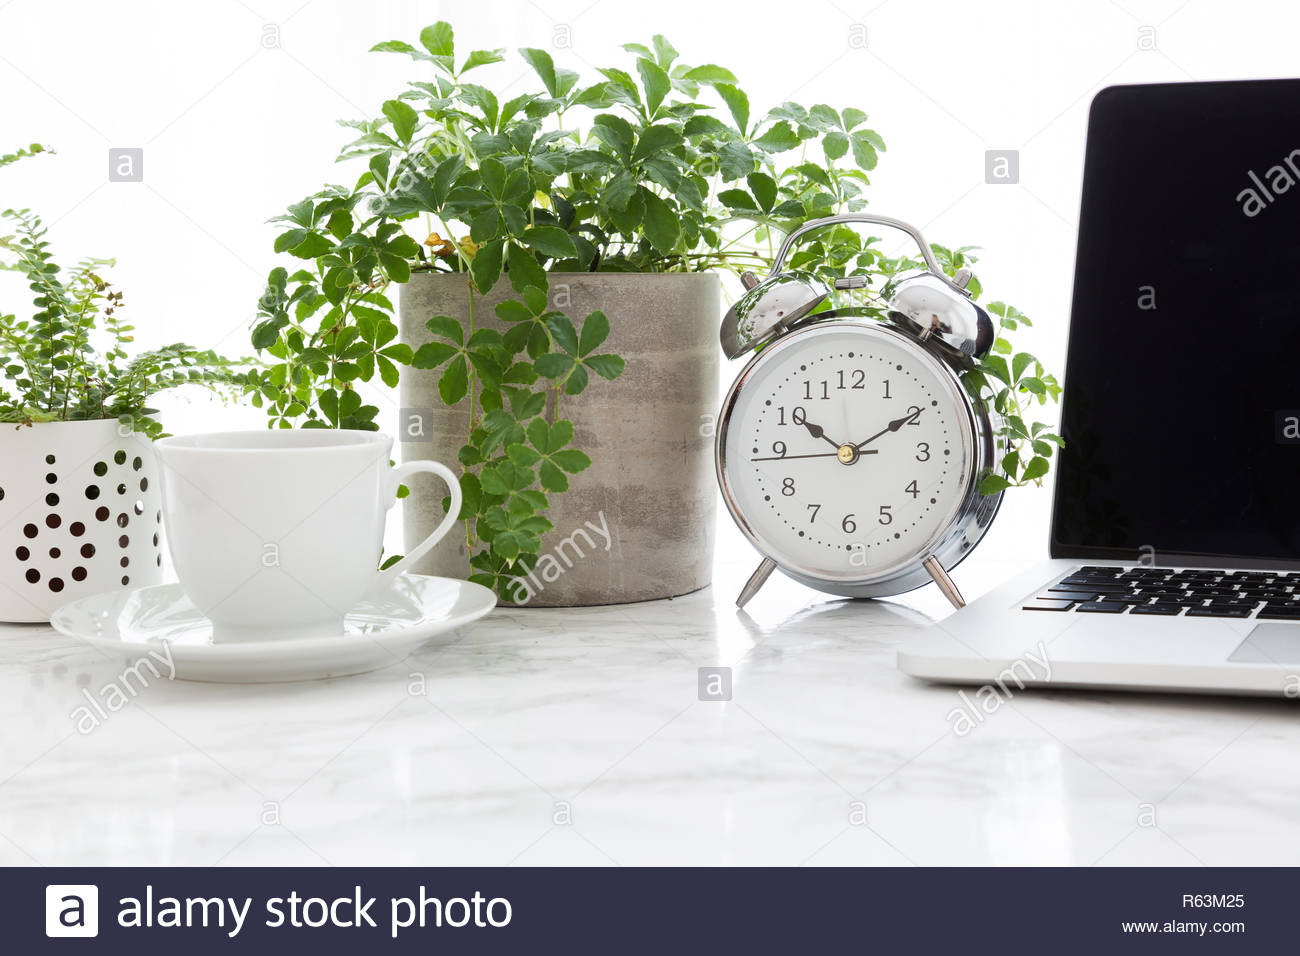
(576, 229)
(79, 499)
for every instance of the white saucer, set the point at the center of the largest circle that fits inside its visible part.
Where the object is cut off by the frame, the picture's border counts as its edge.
(382, 630)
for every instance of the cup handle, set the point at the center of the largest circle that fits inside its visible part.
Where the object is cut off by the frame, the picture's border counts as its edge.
(396, 477)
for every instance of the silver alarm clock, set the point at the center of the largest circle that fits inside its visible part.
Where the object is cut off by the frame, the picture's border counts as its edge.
(848, 451)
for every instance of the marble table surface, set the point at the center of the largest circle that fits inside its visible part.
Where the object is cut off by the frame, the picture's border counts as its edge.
(542, 737)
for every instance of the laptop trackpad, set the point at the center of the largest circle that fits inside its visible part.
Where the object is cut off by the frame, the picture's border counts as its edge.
(1274, 643)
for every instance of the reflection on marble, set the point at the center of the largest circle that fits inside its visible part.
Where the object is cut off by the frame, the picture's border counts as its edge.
(577, 737)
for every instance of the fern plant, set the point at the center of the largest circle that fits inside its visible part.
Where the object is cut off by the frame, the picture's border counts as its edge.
(68, 361)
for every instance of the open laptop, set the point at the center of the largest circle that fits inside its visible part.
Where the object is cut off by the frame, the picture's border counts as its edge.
(1175, 535)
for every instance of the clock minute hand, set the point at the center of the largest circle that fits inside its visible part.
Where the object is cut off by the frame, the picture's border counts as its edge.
(893, 426)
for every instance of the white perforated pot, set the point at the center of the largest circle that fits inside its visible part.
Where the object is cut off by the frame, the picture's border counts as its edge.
(80, 513)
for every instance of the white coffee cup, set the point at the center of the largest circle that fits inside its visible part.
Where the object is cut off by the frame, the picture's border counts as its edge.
(277, 533)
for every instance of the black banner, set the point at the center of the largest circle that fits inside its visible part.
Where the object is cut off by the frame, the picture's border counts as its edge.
(632, 911)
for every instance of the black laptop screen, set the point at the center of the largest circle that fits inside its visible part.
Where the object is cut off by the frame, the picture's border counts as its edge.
(1182, 406)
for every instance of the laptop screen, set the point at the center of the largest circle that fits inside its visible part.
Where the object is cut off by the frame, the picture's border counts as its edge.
(1181, 412)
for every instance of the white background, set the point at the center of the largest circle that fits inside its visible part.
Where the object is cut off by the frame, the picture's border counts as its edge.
(234, 103)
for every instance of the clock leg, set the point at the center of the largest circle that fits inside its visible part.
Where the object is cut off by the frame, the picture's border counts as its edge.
(941, 578)
(756, 581)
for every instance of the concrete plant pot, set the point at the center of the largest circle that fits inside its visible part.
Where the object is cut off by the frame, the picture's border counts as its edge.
(639, 523)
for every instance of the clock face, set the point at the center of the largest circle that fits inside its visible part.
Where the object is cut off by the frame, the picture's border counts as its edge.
(845, 451)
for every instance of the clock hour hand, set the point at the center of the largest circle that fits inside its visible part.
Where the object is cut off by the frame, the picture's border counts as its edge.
(817, 432)
(893, 426)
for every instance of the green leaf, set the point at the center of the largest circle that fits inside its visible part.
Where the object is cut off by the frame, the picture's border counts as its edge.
(738, 199)
(559, 435)
(576, 380)
(398, 269)
(1021, 361)
(454, 383)
(661, 225)
(289, 238)
(1011, 463)
(615, 132)
(823, 117)
(525, 271)
(563, 332)
(432, 354)
(553, 364)
(552, 478)
(606, 366)
(394, 46)
(512, 310)
(737, 103)
(864, 150)
(1036, 468)
(656, 83)
(710, 74)
(571, 460)
(438, 39)
(535, 298)
(484, 99)
(403, 117)
(525, 404)
(656, 139)
(523, 455)
(486, 267)
(506, 544)
(619, 190)
(664, 51)
(764, 189)
(595, 329)
(550, 241)
(446, 327)
(835, 145)
(537, 433)
(735, 161)
(997, 366)
(778, 138)
(992, 484)
(852, 117)
(543, 65)
(482, 58)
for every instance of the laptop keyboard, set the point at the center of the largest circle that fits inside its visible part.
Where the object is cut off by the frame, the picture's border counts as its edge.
(1166, 592)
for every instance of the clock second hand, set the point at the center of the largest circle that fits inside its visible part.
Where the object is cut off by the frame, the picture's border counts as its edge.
(823, 454)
